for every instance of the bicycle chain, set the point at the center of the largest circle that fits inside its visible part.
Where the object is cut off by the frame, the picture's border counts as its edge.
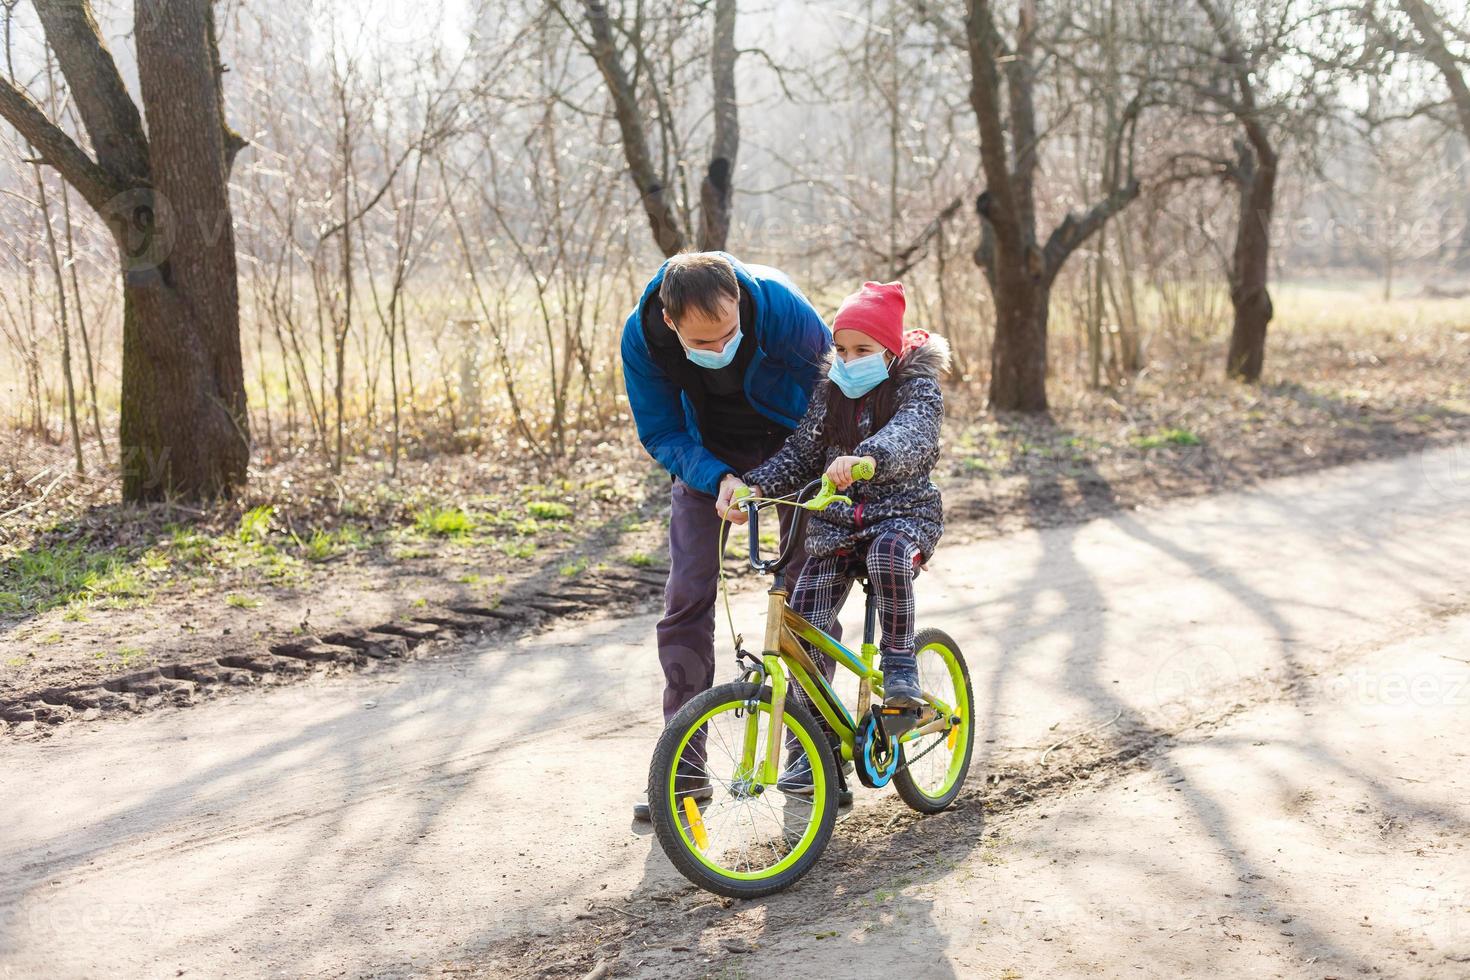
(908, 762)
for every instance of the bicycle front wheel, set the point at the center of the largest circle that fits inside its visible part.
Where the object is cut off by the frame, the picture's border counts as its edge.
(721, 826)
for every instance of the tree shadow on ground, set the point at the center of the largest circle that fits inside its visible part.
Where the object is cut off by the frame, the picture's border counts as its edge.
(1060, 576)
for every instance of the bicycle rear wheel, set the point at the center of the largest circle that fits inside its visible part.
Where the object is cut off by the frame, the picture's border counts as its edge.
(739, 838)
(933, 767)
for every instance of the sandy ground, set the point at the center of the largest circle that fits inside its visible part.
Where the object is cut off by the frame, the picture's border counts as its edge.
(1274, 687)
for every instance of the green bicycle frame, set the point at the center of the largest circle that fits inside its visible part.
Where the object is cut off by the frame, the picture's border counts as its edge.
(784, 656)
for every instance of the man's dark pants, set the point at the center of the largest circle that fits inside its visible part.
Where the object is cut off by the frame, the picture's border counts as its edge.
(686, 634)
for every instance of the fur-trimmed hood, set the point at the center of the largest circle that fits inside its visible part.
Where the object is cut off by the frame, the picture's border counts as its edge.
(929, 360)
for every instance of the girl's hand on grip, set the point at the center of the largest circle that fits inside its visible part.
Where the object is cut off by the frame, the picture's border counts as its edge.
(840, 472)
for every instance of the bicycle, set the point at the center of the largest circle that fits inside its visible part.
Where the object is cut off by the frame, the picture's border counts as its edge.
(714, 790)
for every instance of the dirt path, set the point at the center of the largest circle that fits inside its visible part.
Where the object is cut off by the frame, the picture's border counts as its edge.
(1274, 785)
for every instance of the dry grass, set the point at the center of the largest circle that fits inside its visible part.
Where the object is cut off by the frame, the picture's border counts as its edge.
(1349, 376)
(86, 583)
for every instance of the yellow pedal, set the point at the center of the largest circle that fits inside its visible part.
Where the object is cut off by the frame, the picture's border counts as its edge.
(954, 736)
(696, 823)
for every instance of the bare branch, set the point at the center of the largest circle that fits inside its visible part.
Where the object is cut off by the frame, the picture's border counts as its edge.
(56, 147)
(111, 118)
(1077, 228)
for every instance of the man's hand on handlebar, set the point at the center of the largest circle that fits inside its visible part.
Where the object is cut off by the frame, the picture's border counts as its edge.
(840, 472)
(725, 505)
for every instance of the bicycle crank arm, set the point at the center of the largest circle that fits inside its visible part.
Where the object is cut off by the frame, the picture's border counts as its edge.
(940, 724)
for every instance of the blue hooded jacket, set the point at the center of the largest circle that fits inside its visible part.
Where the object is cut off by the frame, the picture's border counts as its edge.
(791, 344)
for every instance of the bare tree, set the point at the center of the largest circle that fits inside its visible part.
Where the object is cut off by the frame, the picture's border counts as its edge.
(1018, 266)
(1434, 46)
(184, 428)
(1253, 171)
(717, 190)
(659, 182)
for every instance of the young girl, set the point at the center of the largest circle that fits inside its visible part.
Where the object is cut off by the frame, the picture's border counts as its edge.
(880, 401)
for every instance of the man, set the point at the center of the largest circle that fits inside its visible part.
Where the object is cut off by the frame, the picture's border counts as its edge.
(719, 360)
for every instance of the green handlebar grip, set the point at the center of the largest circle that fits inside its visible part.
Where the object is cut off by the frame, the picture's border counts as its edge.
(863, 470)
(826, 496)
(741, 492)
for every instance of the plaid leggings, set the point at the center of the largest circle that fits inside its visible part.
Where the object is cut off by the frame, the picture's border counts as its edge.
(890, 561)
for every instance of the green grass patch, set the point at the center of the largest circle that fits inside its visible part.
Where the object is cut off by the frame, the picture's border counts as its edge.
(444, 522)
(323, 544)
(187, 545)
(574, 568)
(639, 559)
(55, 575)
(1166, 437)
(255, 524)
(548, 510)
(120, 659)
(517, 549)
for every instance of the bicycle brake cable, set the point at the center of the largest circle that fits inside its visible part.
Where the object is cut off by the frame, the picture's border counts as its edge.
(725, 522)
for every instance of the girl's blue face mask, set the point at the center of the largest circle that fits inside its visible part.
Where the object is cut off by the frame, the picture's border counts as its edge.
(714, 360)
(860, 375)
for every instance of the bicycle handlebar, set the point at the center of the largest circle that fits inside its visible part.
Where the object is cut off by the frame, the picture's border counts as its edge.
(824, 498)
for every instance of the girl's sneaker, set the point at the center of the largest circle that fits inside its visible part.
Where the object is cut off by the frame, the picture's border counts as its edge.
(901, 680)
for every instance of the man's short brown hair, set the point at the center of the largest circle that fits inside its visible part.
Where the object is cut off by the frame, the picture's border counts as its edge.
(697, 280)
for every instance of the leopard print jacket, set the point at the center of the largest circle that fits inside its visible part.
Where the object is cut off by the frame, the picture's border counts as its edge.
(900, 497)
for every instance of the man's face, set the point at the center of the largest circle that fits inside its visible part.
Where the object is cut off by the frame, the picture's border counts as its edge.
(697, 330)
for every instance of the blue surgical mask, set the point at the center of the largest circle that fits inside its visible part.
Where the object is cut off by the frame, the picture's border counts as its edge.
(714, 360)
(860, 375)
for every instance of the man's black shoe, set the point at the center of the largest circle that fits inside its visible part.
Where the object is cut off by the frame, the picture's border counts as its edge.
(701, 793)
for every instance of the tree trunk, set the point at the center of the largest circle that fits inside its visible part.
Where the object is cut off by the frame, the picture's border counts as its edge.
(1255, 174)
(1018, 354)
(184, 426)
(717, 190)
(176, 435)
(164, 195)
(1020, 271)
(1250, 265)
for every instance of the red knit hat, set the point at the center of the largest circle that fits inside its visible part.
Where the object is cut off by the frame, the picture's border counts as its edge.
(876, 310)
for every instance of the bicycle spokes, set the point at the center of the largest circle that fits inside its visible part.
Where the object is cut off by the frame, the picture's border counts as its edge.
(931, 757)
(732, 819)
